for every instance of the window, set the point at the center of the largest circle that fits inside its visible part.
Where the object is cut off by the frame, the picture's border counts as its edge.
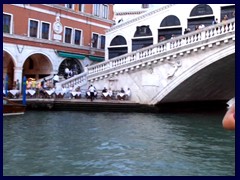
(102, 42)
(96, 10)
(100, 10)
(33, 28)
(68, 35)
(95, 40)
(45, 30)
(77, 38)
(81, 7)
(7, 23)
(105, 11)
(69, 6)
(118, 41)
(145, 6)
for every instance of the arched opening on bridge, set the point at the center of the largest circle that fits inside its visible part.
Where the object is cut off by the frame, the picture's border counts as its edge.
(142, 37)
(200, 14)
(118, 47)
(72, 64)
(37, 66)
(229, 11)
(169, 26)
(8, 69)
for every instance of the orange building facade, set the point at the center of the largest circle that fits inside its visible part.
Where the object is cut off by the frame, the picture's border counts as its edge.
(43, 39)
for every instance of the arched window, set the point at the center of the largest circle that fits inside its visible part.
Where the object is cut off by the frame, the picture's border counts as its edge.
(170, 21)
(166, 33)
(143, 31)
(117, 51)
(198, 16)
(201, 9)
(118, 40)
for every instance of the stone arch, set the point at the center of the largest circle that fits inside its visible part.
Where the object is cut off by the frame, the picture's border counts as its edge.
(37, 65)
(118, 47)
(118, 41)
(9, 63)
(198, 16)
(71, 63)
(169, 26)
(191, 71)
(201, 10)
(170, 20)
(142, 37)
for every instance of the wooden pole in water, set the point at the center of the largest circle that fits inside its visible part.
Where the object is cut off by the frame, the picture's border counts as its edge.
(24, 90)
(6, 85)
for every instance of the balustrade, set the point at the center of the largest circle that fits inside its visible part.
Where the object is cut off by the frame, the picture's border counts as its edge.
(180, 41)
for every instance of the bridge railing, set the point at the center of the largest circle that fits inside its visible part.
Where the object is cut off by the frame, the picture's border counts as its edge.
(136, 56)
(77, 80)
(180, 41)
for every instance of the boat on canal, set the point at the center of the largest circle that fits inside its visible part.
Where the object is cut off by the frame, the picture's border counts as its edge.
(12, 108)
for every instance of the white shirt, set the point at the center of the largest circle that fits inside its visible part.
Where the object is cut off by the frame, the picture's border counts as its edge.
(56, 78)
(91, 89)
(66, 70)
(128, 92)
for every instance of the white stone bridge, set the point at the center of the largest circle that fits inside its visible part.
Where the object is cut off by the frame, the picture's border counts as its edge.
(198, 66)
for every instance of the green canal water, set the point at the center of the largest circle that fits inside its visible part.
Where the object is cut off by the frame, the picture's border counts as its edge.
(120, 144)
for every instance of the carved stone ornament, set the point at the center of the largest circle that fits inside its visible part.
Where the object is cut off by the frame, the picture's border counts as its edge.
(57, 26)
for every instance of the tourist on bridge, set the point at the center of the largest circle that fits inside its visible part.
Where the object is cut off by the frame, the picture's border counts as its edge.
(66, 73)
(215, 21)
(55, 79)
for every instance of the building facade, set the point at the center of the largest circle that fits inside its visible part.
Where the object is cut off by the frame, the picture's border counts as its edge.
(42, 39)
(163, 23)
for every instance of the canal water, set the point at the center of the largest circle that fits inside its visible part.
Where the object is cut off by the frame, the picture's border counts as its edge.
(119, 144)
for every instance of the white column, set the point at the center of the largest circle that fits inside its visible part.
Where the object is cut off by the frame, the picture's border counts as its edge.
(4, 72)
(18, 75)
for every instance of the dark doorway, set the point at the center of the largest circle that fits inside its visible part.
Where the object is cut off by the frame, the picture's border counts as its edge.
(118, 47)
(167, 33)
(71, 64)
(198, 16)
(229, 11)
(169, 26)
(142, 37)
(116, 51)
(207, 21)
(141, 43)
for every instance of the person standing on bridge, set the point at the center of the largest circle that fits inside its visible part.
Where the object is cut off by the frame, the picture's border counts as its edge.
(55, 79)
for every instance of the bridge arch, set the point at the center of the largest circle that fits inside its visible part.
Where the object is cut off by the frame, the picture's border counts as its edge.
(163, 93)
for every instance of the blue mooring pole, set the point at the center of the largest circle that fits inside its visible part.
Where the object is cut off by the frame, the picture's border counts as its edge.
(6, 85)
(24, 90)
